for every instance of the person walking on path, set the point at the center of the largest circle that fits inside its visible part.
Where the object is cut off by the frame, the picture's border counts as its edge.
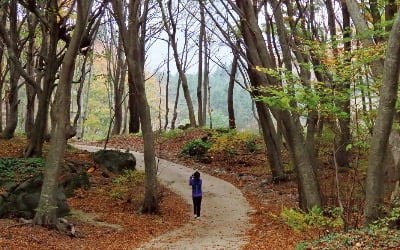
(197, 194)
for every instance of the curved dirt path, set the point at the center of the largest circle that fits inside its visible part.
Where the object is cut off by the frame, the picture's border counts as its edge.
(224, 218)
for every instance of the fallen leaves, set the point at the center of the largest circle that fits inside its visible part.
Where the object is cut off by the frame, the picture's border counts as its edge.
(98, 233)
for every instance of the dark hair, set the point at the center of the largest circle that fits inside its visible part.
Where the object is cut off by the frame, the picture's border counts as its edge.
(196, 175)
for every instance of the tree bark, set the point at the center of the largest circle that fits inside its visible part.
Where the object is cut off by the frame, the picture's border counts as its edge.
(51, 63)
(134, 119)
(200, 67)
(12, 97)
(119, 83)
(30, 90)
(385, 115)
(231, 85)
(133, 51)
(341, 153)
(258, 55)
(46, 211)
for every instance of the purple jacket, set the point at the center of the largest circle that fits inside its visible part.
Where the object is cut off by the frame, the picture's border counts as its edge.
(196, 187)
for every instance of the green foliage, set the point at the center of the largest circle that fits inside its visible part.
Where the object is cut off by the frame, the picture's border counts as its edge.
(196, 148)
(377, 236)
(127, 183)
(356, 239)
(20, 169)
(313, 219)
(387, 222)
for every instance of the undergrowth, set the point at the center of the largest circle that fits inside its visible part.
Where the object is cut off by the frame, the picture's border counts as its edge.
(126, 184)
(20, 169)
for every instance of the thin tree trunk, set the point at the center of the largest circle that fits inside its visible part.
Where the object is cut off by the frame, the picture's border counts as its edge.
(206, 83)
(200, 68)
(30, 90)
(175, 112)
(119, 82)
(232, 77)
(167, 87)
(342, 154)
(182, 75)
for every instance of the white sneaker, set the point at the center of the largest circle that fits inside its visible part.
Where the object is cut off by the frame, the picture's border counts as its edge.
(198, 217)
(195, 216)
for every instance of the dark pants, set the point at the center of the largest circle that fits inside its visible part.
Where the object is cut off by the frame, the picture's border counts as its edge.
(197, 205)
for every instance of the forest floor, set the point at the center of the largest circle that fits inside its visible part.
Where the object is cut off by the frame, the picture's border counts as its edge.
(107, 222)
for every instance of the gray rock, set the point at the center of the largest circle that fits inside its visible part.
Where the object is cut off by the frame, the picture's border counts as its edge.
(114, 161)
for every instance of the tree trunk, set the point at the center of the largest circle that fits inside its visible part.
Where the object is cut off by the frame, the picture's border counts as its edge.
(179, 67)
(206, 82)
(232, 77)
(134, 120)
(39, 131)
(46, 211)
(119, 83)
(30, 90)
(258, 55)
(379, 142)
(341, 153)
(200, 68)
(133, 51)
(175, 112)
(12, 97)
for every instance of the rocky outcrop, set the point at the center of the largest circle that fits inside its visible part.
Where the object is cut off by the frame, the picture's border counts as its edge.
(114, 161)
(20, 198)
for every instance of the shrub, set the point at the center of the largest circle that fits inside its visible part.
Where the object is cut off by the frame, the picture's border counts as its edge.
(377, 236)
(231, 141)
(355, 239)
(126, 183)
(313, 219)
(196, 148)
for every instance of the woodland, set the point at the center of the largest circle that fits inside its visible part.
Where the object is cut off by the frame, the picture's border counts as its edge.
(295, 103)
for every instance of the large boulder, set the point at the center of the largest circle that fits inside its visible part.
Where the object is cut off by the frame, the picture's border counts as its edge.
(22, 199)
(114, 161)
(20, 196)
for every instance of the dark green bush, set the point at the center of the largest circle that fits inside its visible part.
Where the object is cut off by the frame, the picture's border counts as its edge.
(196, 148)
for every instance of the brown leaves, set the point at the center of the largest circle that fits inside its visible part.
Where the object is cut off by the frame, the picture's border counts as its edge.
(98, 233)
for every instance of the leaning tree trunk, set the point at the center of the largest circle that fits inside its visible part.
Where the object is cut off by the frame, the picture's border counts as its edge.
(383, 124)
(46, 211)
(271, 141)
(258, 55)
